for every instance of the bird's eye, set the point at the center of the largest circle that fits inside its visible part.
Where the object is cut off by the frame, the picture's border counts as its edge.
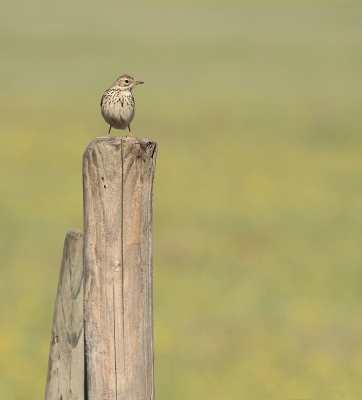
(126, 80)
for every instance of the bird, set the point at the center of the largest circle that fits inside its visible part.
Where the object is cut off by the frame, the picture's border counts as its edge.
(118, 104)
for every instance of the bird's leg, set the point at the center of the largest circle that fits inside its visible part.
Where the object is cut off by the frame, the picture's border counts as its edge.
(110, 127)
(129, 128)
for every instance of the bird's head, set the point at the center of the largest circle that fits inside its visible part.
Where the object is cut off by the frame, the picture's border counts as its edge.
(126, 82)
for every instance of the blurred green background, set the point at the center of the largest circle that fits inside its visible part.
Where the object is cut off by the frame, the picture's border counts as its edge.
(256, 107)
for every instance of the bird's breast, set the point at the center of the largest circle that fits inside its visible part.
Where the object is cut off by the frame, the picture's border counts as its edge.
(118, 109)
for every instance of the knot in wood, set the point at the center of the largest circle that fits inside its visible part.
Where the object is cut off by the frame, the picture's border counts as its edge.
(117, 265)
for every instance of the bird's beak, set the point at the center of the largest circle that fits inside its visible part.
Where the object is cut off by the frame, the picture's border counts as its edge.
(138, 83)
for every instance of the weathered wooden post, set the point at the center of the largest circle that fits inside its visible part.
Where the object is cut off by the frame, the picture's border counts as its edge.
(102, 347)
(65, 378)
(118, 186)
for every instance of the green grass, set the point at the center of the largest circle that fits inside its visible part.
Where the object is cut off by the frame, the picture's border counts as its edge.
(258, 192)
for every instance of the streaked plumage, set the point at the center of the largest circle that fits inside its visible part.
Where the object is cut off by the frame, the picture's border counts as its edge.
(117, 103)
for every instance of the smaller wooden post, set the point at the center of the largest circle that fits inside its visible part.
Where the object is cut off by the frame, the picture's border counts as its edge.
(65, 380)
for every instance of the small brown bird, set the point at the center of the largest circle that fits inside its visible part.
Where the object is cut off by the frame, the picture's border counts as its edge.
(117, 103)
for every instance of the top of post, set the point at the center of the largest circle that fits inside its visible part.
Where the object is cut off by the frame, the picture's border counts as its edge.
(125, 142)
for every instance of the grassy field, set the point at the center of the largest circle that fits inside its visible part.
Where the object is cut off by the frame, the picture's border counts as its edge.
(256, 107)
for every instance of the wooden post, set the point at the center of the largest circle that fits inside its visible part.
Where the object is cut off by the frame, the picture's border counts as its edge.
(118, 187)
(65, 378)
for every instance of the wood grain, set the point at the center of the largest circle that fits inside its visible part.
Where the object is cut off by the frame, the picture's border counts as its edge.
(65, 378)
(118, 186)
